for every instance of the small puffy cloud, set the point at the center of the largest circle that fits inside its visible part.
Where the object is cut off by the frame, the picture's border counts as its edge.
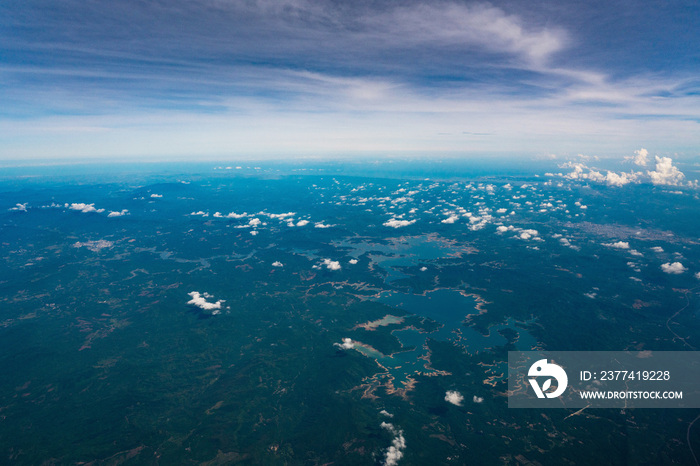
(477, 399)
(82, 207)
(118, 213)
(666, 173)
(156, 196)
(277, 264)
(642, 157)
(322, 225)
(346, 344)
(566, 242)
(618, 245)
(423, 269)
(201, 213)
(613, 179)
(302, 223)
(201, 302)
(94, 245)
(674, 268)
(582, 172)
(353, 261)
(454, 397)
(451, 219)
(235, 215)
(395, 452)
(657, 249)
(282, 216)
(528, 234)
(20, 207)
(502, 229)
(501, 211)
(697, 275)
(254, 222)
(254, 233)
(594, 175)
(331, 265)
(386, 413)
(577, 173)
(396, 223)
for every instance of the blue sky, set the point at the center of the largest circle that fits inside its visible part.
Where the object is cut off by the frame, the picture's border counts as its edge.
(277, 79)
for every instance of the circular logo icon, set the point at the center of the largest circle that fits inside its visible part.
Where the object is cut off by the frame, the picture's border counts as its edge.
(542, 368)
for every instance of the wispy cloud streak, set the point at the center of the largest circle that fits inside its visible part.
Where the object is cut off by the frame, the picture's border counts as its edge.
(442, 76)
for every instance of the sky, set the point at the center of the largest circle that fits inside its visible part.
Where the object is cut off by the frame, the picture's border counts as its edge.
(303, 78)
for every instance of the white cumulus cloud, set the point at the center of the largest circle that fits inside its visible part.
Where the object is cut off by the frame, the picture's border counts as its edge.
(618, 245)
(396, 223)
(281, 216)
(583, 172)
(642, 157)
(94, 245)
(395, 452)
(529, 233)
(118, 213)
(675, 267)
(200, 301)
(613, 179)
(454, 397)
(20, 207)
(347, 344)
(235, 215)
(85, 208)
(331, 265)
(666, 173)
